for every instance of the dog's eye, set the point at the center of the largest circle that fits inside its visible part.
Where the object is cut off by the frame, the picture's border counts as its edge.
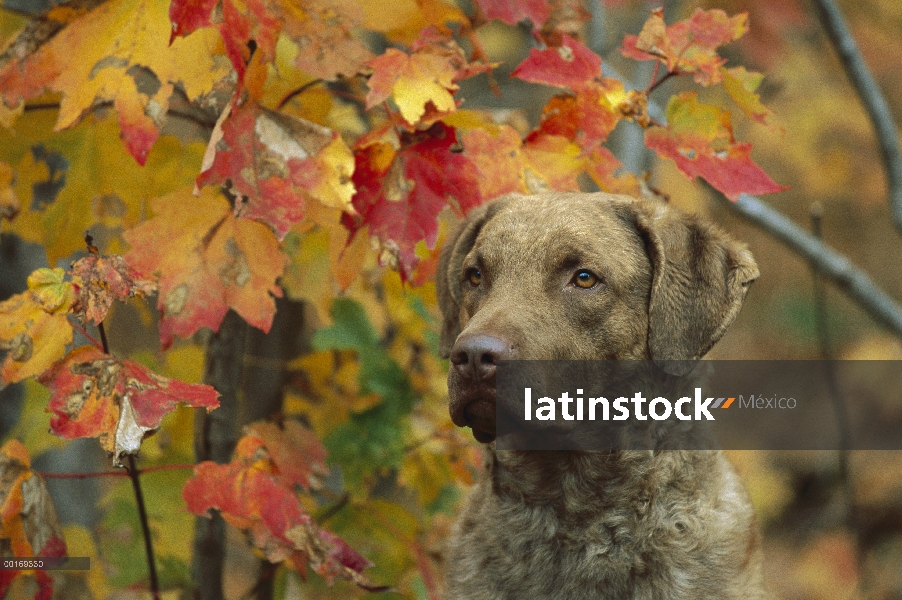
(585, 279)
(474, 276)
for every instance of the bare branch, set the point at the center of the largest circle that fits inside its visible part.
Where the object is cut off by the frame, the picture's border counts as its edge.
(871, 96)
(852, 280)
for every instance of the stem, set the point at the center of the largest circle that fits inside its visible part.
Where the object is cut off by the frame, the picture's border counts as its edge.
(113, 473)
(295, 93)
(145, 527)
(74, 323)
(139, 497)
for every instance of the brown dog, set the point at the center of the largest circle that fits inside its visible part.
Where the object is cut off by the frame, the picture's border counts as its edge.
(588, 277)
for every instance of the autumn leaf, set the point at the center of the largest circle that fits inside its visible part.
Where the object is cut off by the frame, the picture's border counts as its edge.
(207, 261)
(741, 85)
(514, 11)
(555, 160)
(34, 330)
(277, 163)
(117, 53)
(252, 494)
(690, 45)
(294, 450)
(28, 522)
(699, 139)
(589, 116)
(497, 154)
(413, 81)
(570, 65)
(118, 401)
(404, 182)
(103, 279)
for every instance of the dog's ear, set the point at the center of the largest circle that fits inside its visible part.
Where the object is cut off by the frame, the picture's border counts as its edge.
(700, 279)
(447, 277)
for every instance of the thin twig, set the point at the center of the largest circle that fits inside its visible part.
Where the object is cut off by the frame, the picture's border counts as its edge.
(871, 96)
(135, 476)
(852, 280)
(117, 473)
(297, 92)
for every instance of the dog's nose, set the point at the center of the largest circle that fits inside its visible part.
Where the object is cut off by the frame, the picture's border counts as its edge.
(476, 356)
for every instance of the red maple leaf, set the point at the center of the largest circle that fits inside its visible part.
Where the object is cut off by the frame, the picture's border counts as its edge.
(253, 494)
(699, 139)
(688, 46)
(118, 401)
(104, 279)
(276, 162)
(570, 65)
(403, 183)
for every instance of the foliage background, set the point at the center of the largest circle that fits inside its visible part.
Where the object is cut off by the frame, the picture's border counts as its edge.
(817, 546)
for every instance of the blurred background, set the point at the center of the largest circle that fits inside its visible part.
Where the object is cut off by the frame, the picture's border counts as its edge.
(832, 521)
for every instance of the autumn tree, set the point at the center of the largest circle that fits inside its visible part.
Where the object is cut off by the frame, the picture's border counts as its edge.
(211, 167)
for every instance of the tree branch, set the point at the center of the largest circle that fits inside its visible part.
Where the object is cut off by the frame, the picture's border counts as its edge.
(853, 281)
(871, 96)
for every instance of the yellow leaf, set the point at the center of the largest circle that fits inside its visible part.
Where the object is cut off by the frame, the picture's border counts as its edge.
(32, 337)
(9, 201)
(50, 289)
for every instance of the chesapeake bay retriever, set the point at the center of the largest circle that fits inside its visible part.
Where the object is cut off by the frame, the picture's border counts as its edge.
(586, 277)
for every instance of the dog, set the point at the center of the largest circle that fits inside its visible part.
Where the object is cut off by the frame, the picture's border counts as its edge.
(574, 276)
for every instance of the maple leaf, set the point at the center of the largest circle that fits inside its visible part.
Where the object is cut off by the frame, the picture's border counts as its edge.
(569, 65)
(412, 80)
(588, 117)
(251, 494)
(119, 402)
(556, 160)
(28, 522)
(404, 182)
(208, 261)
(276, 161)
(295, 451)
(103, 279)
(322, 29)
(699, 139)
(117, 53)
(34, 330)
(514, 11)
(741, 85)
(607, 172)
(498, 157)
(690, 45)
(9, 202)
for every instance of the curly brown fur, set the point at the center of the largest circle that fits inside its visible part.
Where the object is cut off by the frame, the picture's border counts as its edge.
(601, 525)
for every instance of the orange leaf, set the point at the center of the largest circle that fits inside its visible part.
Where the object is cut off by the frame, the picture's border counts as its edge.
(253, 494)
(556, 160)
(276, 161)
(208, 261)
(119, 402)
(104, 279)
(28, 522)
(499, 158)
(117, 53)
(699, 139)
(690, 45)
(295, 451)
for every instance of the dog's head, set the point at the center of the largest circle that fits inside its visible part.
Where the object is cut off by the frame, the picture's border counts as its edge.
(580, 277)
